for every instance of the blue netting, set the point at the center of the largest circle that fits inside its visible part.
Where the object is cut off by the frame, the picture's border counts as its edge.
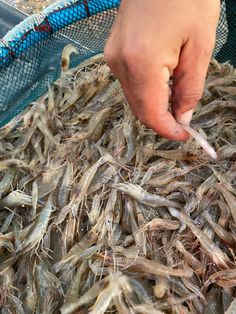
(30, 54)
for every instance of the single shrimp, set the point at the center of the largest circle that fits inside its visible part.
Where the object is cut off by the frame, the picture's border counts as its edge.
(88, 296)
(6, 181)
(205, 145)
(223, 234)
(65, 58)
(161, 223)
(229, 198)
(139, 237)
(12, 164)
(190, 259)
(34, 200)
(36, 235)
(121, 305)
(66, 185)
(144, 197)
(225, 214)
(73, 291)
(94, 213)
(16, 198)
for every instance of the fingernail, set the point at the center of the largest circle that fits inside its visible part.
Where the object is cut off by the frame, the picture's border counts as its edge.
(186, 117)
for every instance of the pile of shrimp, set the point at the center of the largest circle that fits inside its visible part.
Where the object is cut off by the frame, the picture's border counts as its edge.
(98, 214)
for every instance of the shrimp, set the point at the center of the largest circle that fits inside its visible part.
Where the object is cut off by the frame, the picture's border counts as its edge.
(35, 140)
(212, 301)
(98, 268)
(49, 180)
(12, 164)
(34, 200)
(146, 309)
(161, 287)
(168, 154)
(66, 185)
(170, 175)
(141, 289)
(230, 200)
(48, 288)
(38, 231)
(65, 58)
(83, 185)
(42, 126)
(117, 283)
(221, 232)
(105, 298)
(139, 238)
(159, 223)
(30, 296)
(4, 131)
(51, 103)
(128, 241)
(227, 297)
(80, 251)
(131, 140)
(232, 307)
(23, 141)
(73, 291)
(7, 222)
(144, 197)
(224, 278)
(97, 119)
(205, 145)
(94, 213)
(6, 182)
(146, 266)
(120, 305)
(15, 199)
(205, 186)
(225, 214)
(211, 249)
(6, 243)
(190, 259)
(87, 297)
(156, 168)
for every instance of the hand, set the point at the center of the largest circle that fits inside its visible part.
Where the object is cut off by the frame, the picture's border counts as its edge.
(151, 41)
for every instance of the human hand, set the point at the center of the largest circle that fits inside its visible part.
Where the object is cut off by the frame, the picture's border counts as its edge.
(152, 40)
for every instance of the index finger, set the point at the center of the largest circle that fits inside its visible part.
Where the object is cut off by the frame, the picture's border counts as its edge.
(148, 95)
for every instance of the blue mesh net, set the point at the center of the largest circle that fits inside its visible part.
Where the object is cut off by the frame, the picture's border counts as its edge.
(30, 54)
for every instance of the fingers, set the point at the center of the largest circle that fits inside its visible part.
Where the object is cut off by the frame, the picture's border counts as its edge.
(189, 78)
(147, 92)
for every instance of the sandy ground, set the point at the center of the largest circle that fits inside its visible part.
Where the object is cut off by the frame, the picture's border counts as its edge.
(30, 6)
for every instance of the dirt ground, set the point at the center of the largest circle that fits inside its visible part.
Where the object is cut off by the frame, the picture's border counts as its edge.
(30, 6)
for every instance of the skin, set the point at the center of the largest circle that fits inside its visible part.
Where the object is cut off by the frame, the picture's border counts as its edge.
(154, 40)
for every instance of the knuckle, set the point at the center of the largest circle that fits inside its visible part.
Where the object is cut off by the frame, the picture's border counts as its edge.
(188, 100)
(193, 98)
